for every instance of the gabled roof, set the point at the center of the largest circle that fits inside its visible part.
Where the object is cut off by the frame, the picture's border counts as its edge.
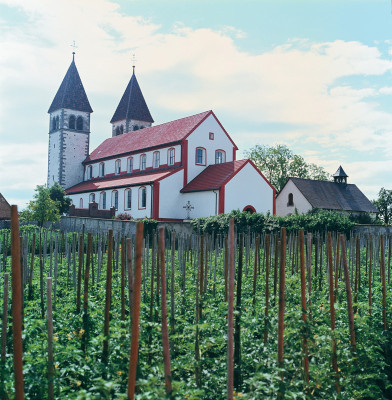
(5, 208)
(132, 104)
(117, 181)
(340, 173)
(334, 196)
(214, 176)
(71, 93)
(170, 132)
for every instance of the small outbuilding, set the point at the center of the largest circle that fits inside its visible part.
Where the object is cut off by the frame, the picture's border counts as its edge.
(304, 195)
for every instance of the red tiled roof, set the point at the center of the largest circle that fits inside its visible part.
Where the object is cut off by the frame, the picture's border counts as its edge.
(118, 181)
(168, 132)
(214, 176)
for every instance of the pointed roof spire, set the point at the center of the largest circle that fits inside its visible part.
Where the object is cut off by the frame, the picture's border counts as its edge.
(132, 104)
(71, 93)
(340, 173)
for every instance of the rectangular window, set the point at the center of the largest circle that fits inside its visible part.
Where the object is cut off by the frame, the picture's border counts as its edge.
(171, 159)
(200, 156)
(156, 159)
(143, 162)
(142, 197)
(118, 167)
(101, 169)
(130, 165)
(211, 135)
(128, 198)
(219, 157)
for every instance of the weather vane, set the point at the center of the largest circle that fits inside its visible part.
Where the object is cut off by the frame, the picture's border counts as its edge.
(133, 61)
(73, 45)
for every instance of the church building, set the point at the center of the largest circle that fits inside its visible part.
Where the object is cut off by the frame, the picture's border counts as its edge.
(177, 170)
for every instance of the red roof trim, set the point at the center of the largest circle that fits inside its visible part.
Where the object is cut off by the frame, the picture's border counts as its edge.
(217, 120)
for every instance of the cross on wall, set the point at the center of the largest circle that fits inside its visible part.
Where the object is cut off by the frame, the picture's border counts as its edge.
(188, 208)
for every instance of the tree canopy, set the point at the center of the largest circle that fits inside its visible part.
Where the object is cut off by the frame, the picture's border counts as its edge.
(384, 205)
(278, 163)
(48, 204)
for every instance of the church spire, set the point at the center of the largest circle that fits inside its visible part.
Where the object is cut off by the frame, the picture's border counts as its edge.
(71, 93)
(132, 111)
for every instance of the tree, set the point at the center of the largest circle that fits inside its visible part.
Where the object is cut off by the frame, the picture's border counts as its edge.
(42, 208)
(278, 163)
(384, 205)
(57, 193)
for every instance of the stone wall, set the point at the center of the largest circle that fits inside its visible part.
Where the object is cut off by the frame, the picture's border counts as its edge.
(372, 230)
(124, 228)
(92, 211)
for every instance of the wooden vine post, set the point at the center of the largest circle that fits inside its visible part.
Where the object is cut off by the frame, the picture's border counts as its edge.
(80, 266)
(370, 273)
(136, 312)
(50, 339)
(230, 314)
(349, 296)
(332, 311)
(105, 354)
(383, 282)
(165, 331)
(282, 281)
(303, 301)
(237, 332)
(267, 255)
(85, 296)
(16, 305)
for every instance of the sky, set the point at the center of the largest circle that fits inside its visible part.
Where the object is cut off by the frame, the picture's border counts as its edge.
(313, 75)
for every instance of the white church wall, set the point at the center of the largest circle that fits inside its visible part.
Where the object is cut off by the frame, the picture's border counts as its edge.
(247, 187)
(75, 150)
(205, 203)
(200, 138)
(54, 158)
(135, 211)
(170, 199)
(300, 203)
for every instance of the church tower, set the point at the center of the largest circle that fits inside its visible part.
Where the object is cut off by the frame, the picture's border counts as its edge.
(69, 130)
(132, 112)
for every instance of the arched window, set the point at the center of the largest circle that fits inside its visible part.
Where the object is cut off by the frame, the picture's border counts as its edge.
(135, 127)
(220, 157)
(80, 203)
(128, 199)
(57, 122)
(121, 130)
(71, 122)
(117, 130)
(115, 199)
(156, 157)
(200, 156)
(171, 156)
(79, 123)
(54, 124)
(118, 167)
(92, 198)
(102, 200)
(143, 162)
(89, 172)
(102, 169)
(249, 209)
(142, 197)
(130, 164)
(290, 200)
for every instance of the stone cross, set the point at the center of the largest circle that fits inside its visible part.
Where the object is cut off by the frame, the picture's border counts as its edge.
(188, 207)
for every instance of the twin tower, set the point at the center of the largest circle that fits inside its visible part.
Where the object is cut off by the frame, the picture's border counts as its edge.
(69, 127)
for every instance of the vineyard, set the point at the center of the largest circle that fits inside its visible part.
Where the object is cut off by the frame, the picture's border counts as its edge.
(204, 316)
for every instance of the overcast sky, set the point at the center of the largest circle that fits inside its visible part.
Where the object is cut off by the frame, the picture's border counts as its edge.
(314, 75)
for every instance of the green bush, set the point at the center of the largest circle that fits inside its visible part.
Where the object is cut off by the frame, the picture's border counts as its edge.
(316, 221)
